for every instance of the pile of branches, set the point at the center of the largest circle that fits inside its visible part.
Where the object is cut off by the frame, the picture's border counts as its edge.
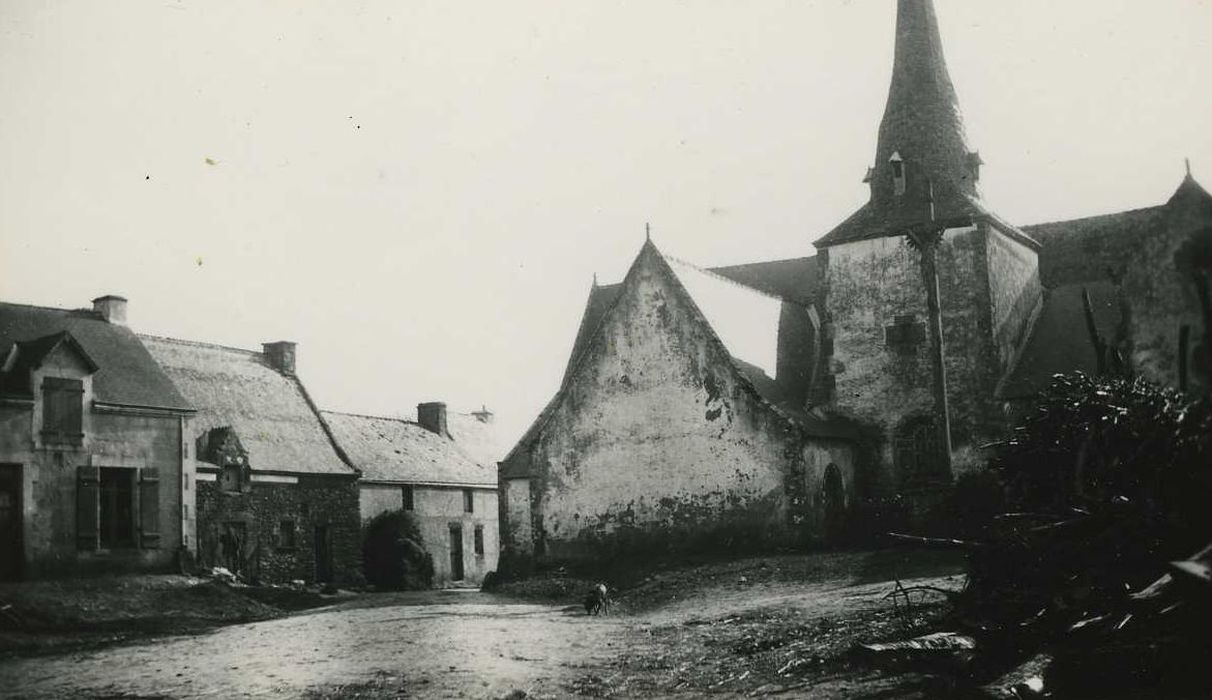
(1101, 567)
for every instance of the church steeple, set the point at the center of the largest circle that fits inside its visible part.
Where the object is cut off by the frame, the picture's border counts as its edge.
(921, 138)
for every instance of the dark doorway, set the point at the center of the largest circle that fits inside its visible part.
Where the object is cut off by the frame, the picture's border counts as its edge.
(12, 551)
(456, 552)
(232, 540)
(833, 493)
(323, 549)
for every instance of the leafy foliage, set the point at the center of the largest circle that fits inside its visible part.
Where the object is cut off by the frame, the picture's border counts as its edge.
(1115, 446)
(393, 553)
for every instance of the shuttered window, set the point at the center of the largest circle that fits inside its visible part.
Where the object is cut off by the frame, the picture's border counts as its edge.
(87, 494)
(117, 508)
(149, 507)
(62, 410)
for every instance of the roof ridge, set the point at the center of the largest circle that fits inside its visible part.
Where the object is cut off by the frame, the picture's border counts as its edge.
(1089, 217)
(763, 262)
(197, 343)
(726, 279)
(78, 309)
(370, 415)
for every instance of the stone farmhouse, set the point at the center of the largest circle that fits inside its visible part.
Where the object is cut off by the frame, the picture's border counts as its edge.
(277, 498)
(910, 339)
(95, 448)
(418, 467)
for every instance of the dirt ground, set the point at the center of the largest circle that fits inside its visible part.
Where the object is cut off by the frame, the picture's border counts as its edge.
(771, 626)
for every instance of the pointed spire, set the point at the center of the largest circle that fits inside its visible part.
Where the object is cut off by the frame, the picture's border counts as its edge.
(647, 232)
(922, 120)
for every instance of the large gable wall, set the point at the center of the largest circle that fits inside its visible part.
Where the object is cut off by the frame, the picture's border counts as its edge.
(655, 441)
(1163, 299)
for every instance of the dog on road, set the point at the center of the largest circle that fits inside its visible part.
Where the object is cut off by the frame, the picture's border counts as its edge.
(597, 601)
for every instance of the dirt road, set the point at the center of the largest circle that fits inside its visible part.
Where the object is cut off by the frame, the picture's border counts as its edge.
(725, 634)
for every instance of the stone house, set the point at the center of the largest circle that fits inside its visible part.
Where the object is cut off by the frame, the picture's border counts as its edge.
(277, 500)
(925, 320)
(679, 423)
(95, 460)
(418, 467)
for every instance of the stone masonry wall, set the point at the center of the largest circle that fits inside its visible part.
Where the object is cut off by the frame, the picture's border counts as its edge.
(1161, 299)
(50, 479)
(869, 285)
(313, 501)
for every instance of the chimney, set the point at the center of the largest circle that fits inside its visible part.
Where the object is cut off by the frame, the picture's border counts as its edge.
(483, 415)
(112, 308)
(432, 417)
(280, 356)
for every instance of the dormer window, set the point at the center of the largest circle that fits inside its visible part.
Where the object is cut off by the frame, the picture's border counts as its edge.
(974, 165)
(62, 411)
(898, 173)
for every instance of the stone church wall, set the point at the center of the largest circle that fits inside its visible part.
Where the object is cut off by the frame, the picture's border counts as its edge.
(881, 364)
(657, 445)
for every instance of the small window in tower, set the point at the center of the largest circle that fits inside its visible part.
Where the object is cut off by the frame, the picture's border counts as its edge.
(469, 502)
(898, 173)
(478, 540)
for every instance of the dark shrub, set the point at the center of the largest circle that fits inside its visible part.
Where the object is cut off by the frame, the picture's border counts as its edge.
(978, 497)
(1116, 447)
(393, 554)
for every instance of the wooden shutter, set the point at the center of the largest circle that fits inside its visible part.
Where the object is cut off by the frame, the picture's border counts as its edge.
(87, 479)
(149, 507)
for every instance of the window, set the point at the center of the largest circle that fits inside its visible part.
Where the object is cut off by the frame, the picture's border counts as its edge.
(230, 478)
(917, 451)
(406, 497)
(898, 173)
(469, 503)
(478, 540)
(117, 508)
(62, 410)
(286, 534)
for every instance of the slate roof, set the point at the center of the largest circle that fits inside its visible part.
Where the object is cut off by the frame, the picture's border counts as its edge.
(923, 129)
(273, 416)
(126, 373)
(746, 320)
(1090, 248)
(1059, 342)
(399, 451)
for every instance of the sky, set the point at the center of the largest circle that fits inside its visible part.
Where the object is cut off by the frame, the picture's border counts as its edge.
(420, 193)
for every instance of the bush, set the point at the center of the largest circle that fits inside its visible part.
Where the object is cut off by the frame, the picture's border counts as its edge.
(978, 497)
(1116, 447)
(393, 553)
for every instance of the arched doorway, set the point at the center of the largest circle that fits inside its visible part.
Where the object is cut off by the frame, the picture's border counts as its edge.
(833, 496)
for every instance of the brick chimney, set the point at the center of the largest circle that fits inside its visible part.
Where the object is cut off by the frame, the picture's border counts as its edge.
(280, 356)
(112, 308)
(432, 417)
